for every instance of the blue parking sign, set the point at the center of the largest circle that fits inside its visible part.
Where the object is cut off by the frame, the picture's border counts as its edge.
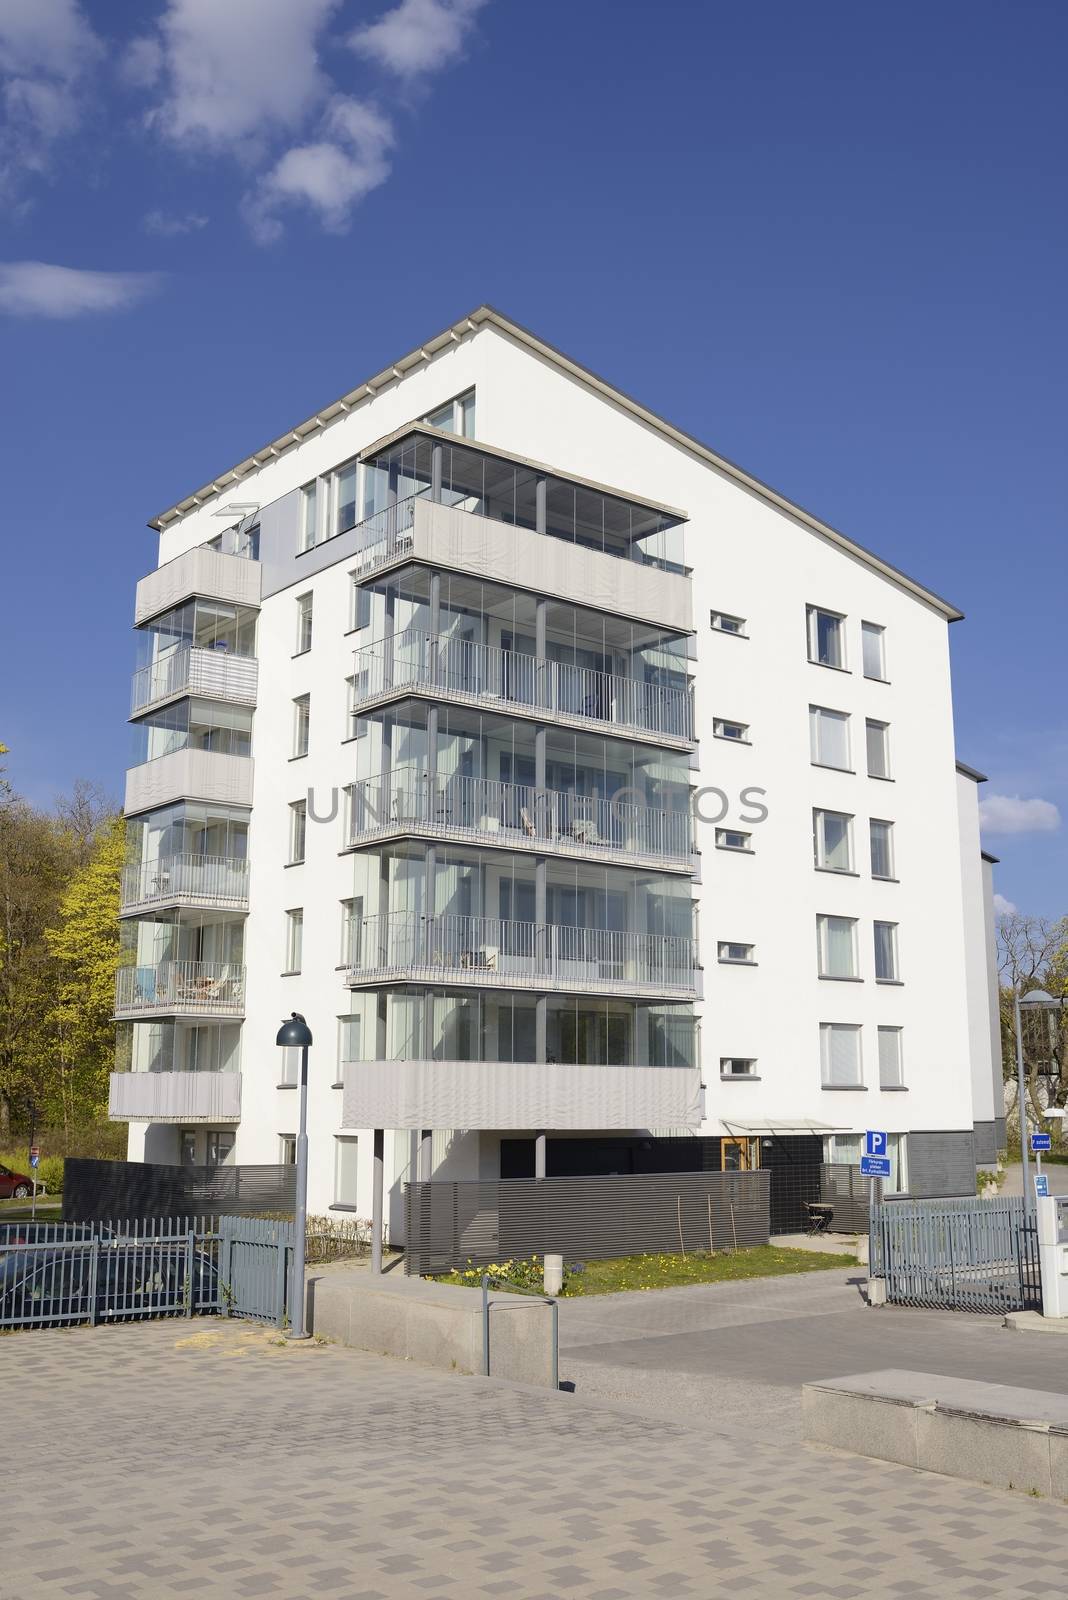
(875, 1166)
(875, 1144)
(1041, 1141)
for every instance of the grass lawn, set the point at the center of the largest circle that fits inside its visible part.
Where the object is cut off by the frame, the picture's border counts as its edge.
(670, 1271)
(48, 1209)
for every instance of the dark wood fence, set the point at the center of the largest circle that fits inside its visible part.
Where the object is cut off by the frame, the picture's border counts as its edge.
(94, 1189)
(451, 1224)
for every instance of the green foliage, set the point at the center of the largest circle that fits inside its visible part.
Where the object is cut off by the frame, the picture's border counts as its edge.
(659, 1271)
(524, 1273)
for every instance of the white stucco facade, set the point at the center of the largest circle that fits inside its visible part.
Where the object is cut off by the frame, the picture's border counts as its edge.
(752, 558)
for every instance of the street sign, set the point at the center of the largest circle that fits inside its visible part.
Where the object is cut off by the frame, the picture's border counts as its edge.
(35, 1156)
(875, 1166)
(1041, 1186)
(875, 1144)
(1041, 1141)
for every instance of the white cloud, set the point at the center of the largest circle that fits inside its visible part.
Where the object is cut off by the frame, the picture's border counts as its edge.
(1006, 813)
(1003, 907)
(166, 226)
(141, 63)
(38, 289)
(237, 72)
(330, 176)
(418, 36)
(47, 48)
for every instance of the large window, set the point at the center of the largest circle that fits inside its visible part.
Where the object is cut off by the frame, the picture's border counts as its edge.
(345, 498)
(886, 952)
(294, 950)
(832, 834)
(882, 849)
(878, 742)
(826, 637)
(829, 736)
(873, 640)
(891, 1064)
(298, 831)
(840, 1055)
(346, 1152)
(836, 939)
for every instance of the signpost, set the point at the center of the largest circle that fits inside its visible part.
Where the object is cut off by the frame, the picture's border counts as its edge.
(1040, 1142)
(875, 1162)
(35, 1159)
(1041, 1186)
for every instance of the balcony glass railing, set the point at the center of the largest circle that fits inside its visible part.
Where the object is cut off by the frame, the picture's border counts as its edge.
(518, 815)
(200, 880)
(487, 675)
(494, 951)
(190, 670)
(203, 988)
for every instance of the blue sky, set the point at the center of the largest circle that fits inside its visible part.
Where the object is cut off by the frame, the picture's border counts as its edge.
(829, 239)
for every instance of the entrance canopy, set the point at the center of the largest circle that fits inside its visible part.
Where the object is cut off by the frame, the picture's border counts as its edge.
(799, 1125)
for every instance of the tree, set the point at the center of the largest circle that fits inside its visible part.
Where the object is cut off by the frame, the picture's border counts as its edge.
(1033, 954)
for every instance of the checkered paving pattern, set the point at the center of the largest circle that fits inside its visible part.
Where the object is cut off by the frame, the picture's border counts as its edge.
(203, 1458)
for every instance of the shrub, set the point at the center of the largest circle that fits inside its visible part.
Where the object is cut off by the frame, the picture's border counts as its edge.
(523, 1273)
(49, 1173)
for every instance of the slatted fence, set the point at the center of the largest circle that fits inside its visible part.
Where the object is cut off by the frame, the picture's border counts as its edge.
(969, 1254)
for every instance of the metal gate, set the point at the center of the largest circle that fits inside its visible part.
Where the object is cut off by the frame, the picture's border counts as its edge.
(960, 1255)
(255, 1255)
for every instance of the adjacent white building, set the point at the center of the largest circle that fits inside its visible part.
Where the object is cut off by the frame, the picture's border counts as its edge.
(587, 797)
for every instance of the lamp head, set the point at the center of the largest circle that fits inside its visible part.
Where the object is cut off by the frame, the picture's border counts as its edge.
(1037, 999)
(295, 1032)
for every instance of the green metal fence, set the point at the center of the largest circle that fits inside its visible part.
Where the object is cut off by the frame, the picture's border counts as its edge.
(967, 1255)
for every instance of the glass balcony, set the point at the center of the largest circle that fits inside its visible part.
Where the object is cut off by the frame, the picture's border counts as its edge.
(402, 946)
(180, 988)
(188, 670)
(519, 816)
(457, 669)
(192, 880)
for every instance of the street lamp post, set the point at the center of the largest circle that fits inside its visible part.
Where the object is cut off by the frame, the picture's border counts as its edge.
(1033, 1000)
(295, 1034)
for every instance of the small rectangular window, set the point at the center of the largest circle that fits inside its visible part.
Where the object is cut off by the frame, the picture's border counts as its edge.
(737, 1066)
(301, 724)
(882, 849)
(348, 1043)
(345, 1168)
(345, 498)
(309, 516)
(829, 737)
(732, 839)
(304, 623)
(351, 931)
(877, 735)
(836, 940)
(873, 640)
(891, 1066)
(840, 1063)
(832, 839)
(722, 729)
(294, 940)
(740, 954)
(360, 606)
(723, 622)
(287, 1149)
(455, 416)
(298, 831)
(826, 637)
(886, 952)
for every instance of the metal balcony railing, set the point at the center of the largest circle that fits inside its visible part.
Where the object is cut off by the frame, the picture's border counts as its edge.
(196, 880)
(487, 675)
(518, 815)
(189, 669)
(202, 988)
(490, 950)
(386, 535)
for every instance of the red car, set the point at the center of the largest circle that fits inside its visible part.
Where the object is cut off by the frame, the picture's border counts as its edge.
(14, 1186)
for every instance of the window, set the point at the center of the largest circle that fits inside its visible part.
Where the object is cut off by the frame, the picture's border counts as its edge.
(846, 1149)
(882, 849)
(287, 1149)
(723, 622)
(301, 724)
(737, 1067)
(298, 831)
(309, 516)
(722, 729)
(351, 931)
(304, 623)
(348, 1043)
(836, 939)
(345, 498)
(220, 1146)
(189, 1147)
(886, 952)
(360, 606)
(878, 740)
(289, 1077)
(455, 416)
(832, 840)
(731, 839)
(345, 1167)
(294, 939)
(829, 736)
(873, 641)
(826, 638)
(891, 1071)
(742, 953)
(840, 1055)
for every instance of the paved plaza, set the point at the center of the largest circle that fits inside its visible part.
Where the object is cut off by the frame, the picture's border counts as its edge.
(206, 1459)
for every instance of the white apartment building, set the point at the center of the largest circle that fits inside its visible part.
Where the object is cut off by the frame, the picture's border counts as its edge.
(596, 805)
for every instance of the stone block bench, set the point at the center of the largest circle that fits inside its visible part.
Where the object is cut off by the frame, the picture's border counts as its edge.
(983, 1432)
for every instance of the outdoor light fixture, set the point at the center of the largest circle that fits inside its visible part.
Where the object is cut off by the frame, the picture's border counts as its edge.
(295, 1034)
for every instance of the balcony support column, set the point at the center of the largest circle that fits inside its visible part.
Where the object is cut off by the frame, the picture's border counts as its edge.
(541, 1028)
(425, 1154)
(542, 953)
(541, 520)
(378, 1138)
(427, 955)
(389, 627)
(539, 1156)
(437, 457)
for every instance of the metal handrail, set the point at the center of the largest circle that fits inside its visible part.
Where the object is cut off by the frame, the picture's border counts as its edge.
(487, 805)
(482, 672)
(185, 876)
(535, 1294)
(204, 986)
(222, 673)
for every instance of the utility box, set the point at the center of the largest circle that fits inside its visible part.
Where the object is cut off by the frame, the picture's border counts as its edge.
(1053, 1253)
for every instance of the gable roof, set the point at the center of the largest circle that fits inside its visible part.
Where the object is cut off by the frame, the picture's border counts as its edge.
(486, 315)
